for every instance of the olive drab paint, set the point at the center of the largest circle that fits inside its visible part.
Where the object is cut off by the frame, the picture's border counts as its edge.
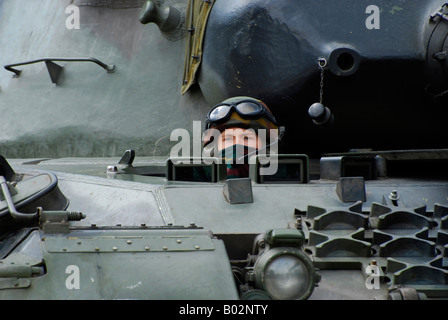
(92, 208)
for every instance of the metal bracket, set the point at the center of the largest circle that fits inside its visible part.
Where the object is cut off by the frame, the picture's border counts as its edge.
(127, 158)
(442, 12)
(57, 221)
(14, 283)
(50, 221)
(6, 170)
(351, 189)
(126, 244)
(54, 69)
(237, 191)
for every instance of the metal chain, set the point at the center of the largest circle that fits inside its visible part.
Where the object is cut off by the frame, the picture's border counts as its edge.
(322, 63)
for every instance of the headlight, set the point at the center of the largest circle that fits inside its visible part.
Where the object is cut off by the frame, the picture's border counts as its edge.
(285, 273)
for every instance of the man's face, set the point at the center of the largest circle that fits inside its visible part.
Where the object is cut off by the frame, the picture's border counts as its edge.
(234, 135)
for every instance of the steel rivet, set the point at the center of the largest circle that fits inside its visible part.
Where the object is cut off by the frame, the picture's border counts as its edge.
(114, 248)
(394, 195)
(299, 223)
(165, 248)
(129, 242)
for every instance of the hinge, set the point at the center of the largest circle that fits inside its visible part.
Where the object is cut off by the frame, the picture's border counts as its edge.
(14, 283)
(129, 244)
(57, 221)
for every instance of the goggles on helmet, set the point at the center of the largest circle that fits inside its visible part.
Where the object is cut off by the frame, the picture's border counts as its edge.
(247, 109)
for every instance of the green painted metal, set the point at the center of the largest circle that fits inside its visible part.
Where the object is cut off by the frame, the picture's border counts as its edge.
(66, 120)
(90, 112)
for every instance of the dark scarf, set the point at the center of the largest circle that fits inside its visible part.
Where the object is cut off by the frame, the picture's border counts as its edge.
(237, 160)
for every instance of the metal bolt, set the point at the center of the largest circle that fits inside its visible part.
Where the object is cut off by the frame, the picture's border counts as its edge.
(97, 249)
(179, 241)
(197, 247)
(394, 195)
(147, 248)
(112, 169)
(299, 223)
(129, 242)
(165, 248)
(114, 248)
(75, 216)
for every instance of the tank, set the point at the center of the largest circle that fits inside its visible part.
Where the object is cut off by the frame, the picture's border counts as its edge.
(103, 104)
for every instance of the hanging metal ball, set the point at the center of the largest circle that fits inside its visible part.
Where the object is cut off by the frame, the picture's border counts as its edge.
(320, 114)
